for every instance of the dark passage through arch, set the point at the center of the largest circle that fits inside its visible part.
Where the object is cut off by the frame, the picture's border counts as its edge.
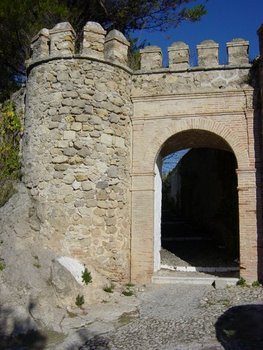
(199, 225)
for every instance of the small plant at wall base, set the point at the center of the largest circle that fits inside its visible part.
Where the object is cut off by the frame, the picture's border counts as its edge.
(2, 264)
(109, 289)
(128, 292)
(242, 282)
(86, 276)
(79, 300)
(10, 129)
(256, 284)
(36, 263)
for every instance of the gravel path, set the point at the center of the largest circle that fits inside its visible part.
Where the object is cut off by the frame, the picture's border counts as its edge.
(190, 317)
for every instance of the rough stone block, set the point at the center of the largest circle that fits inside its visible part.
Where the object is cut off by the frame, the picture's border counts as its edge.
(76, 185)
(93, 40)
(60, 159)
(86, 185)
(68, 179)
(40, 45)
(81, 177)
(106, 139)
(237, 51)
(69, 135)
(62, 39)
(208, 53)
(151, 58)
(116, 47)
(91, 203)
(178, 55)
(69, 151)
(82, 118)
(119, 142)
(76, 126)
(84, 152)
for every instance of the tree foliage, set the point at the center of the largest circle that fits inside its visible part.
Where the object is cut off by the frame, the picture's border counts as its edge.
(10, 129)
(20, 20)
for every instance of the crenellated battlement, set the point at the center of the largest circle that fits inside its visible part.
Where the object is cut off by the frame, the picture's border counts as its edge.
(113, 47)
(60, 41)
(207, 52)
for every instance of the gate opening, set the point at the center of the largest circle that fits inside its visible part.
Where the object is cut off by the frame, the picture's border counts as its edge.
(199, 226)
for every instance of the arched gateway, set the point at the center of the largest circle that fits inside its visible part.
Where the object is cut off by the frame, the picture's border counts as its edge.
(193, 116)
(95, 130)
(179, 133)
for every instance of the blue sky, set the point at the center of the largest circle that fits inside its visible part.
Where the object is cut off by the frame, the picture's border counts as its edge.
(226, 19)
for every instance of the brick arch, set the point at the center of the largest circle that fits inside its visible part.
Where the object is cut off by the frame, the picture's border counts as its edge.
(238, 147)
(197, 132)
(145, 234)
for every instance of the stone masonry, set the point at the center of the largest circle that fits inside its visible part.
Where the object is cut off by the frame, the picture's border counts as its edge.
(76, 147)
(94, 130)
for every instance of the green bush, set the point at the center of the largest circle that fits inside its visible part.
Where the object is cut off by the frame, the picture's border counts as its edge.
(10, 134)
(128, 292)
(256, 284)
(109, 289)
(2, 264)
(79, 300)
(242, 282)
(86, 276)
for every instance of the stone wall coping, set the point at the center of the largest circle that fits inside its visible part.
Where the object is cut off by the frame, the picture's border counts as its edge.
(94, 27)
(151, 49)
(35, 63)
(115, 45)
(60, 41)
(61, 28)
(116, 35)
(237, 42)
(192, 69)
(42, 32)
(178, 46)
(189, 95)
(207, 44)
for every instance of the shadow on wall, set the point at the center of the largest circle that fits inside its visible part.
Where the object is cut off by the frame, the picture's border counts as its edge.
(90, 342)
(241, 328)
(19, 331)
(256, 83)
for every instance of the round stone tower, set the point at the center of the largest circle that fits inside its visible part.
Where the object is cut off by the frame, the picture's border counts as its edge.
(76, 147)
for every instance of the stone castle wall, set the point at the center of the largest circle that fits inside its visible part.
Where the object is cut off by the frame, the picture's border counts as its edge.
(209, 105)
(94, 129)
(76, 148)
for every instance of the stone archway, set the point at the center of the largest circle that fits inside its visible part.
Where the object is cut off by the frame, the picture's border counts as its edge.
(144, 208)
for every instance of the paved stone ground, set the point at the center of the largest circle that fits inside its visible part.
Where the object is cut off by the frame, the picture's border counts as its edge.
(185, 317)
(163, 317)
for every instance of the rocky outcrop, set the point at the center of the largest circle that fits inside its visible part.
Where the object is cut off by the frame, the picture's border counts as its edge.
(37, 288)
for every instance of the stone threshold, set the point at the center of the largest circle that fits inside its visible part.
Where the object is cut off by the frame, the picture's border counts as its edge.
(175, 277)
(200, 268)
(215, 281)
